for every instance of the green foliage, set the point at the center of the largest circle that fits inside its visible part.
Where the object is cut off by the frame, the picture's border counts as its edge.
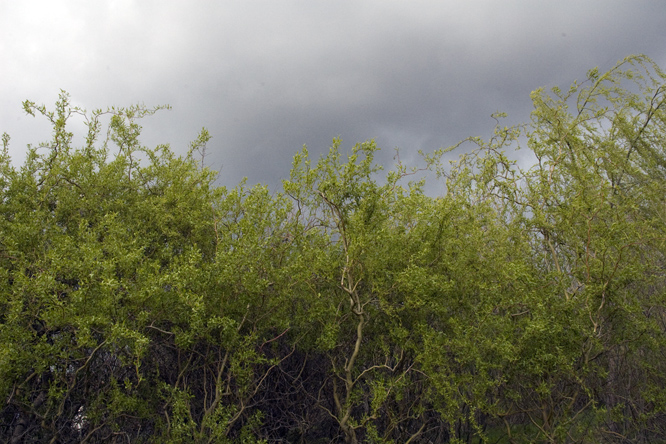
(140, 302)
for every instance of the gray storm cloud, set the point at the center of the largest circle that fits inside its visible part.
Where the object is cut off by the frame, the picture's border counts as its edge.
(267, 77)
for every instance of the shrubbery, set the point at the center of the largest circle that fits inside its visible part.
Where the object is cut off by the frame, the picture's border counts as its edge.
(139, 302)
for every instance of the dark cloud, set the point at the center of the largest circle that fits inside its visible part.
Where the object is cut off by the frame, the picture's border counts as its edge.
(267, 77)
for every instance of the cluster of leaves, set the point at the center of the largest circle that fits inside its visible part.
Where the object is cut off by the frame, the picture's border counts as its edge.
(141, 303)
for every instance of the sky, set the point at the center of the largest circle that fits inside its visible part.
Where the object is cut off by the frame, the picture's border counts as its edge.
(266, 77)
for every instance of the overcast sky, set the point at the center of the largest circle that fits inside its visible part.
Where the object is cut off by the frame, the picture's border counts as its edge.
(268, 76)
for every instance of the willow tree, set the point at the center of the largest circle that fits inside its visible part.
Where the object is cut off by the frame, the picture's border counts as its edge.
(586, 364)
(134, 293)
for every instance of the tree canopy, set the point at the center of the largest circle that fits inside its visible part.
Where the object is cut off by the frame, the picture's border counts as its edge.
(141, 302)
